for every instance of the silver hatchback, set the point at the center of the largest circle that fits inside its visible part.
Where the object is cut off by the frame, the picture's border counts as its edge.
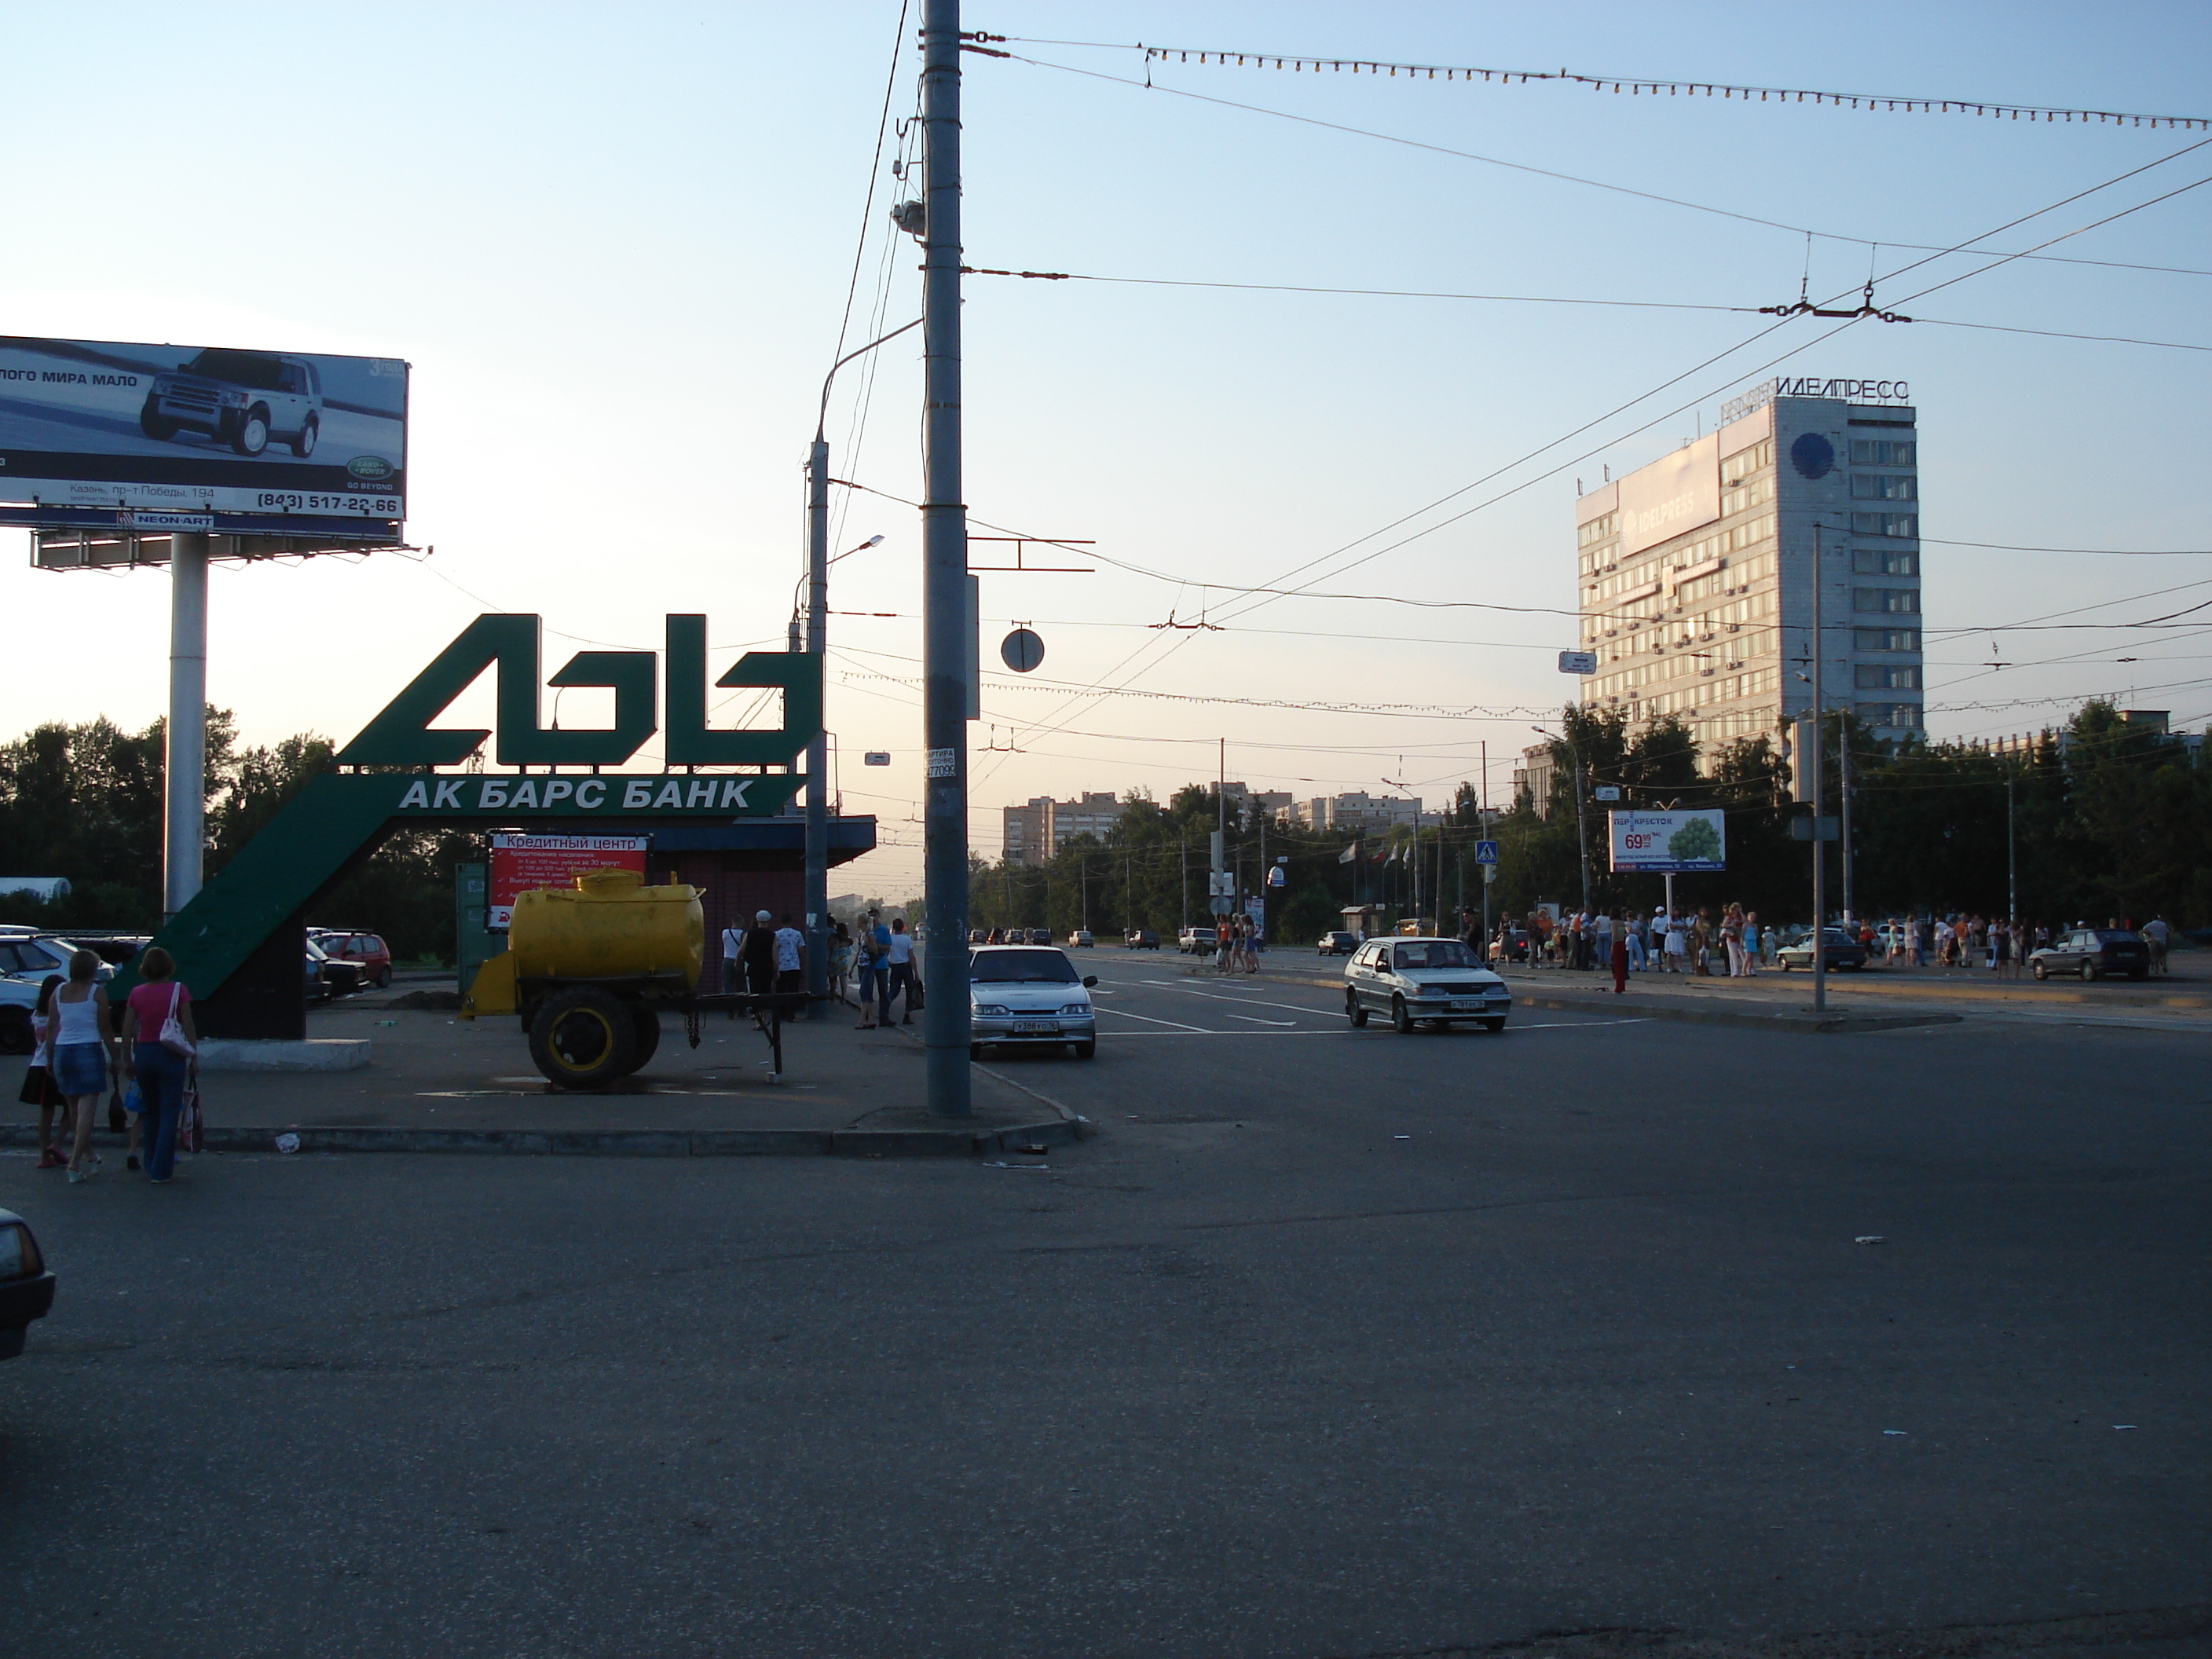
(1413, 981)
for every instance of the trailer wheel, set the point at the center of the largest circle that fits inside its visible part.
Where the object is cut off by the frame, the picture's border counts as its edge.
(648, 1037)
(583, 1038)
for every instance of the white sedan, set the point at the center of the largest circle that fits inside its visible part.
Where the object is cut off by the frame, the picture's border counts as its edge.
(1413, 980)
(1021, 994)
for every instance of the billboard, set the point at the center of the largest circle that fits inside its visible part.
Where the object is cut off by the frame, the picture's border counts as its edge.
(521, 862)
(1675, 493)
(1657, 842)
(164, 437)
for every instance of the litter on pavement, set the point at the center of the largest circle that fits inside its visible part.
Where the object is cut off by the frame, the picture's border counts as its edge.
(1867, 1238)
(287, 1143)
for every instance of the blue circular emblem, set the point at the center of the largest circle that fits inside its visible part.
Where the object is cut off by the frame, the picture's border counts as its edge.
(1812, 455)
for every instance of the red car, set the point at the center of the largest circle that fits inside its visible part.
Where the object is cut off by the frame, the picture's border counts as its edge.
(368, 949)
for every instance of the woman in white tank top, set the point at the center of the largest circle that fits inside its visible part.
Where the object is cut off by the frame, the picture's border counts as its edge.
(83, 1054)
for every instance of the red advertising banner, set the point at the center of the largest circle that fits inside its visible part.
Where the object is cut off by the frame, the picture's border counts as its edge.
(521, 862)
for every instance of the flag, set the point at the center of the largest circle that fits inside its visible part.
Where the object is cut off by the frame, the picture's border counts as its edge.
(1349, 854)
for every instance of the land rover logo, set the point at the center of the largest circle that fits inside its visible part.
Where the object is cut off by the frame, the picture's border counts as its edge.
(369, 466)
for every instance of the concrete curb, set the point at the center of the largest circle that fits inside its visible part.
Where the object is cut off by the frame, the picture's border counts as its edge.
(275, 1055)
(1791, 1020)
(632, 1143)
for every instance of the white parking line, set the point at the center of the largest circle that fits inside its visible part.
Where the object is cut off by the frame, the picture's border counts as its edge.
(1257, 1002)
(1177, 1024)
(1257, 1020)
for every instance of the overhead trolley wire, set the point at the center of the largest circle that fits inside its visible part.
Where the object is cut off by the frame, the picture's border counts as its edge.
(1569, 177)
(1634, 85)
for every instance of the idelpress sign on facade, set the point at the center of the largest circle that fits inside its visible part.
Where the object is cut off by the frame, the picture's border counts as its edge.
(183, 430)
(1658, 843)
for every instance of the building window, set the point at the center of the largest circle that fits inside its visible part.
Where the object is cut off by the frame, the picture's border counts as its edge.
(1893, 601)
(1884, 486)
(1883, 451)
(1737, 467)
(1881, 677)
(1885, 562)
(1903, 714)
(1886, 639)
(1903, 525)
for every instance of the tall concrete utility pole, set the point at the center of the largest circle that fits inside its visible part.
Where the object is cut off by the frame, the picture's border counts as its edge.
(184, 772)
(945, 576)
(1819, 847)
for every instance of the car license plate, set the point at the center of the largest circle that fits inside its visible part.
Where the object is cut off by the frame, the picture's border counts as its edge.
(1036, 1028)
(1466, 1005)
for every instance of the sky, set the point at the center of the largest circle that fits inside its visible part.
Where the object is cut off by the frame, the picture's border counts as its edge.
(616, 244)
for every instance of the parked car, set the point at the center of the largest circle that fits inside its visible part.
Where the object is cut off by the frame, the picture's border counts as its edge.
(327, 977)
(26, 1288)
(1081, 939)
(1842, 950)
(1140, 938)
(18, 997)
(1196, 941)
(1338, 944)
(2093, 952)
(1022, 995)
(976, 936)
(1039, 936)
(368, 949)
(34, 955)
(1514, 947)
(1415, 980)
(241, 398)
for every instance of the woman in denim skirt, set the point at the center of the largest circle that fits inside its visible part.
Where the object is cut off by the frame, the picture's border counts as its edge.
(84, 1054)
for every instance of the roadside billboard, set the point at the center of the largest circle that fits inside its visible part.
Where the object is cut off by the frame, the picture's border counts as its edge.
(1675, 493)
(521, 862)
(1656, 843)
(179, 431)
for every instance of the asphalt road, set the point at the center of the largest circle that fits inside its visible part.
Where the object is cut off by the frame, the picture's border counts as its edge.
(1331, 1343)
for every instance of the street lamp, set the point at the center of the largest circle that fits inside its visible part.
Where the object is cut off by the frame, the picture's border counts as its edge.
(817, 751)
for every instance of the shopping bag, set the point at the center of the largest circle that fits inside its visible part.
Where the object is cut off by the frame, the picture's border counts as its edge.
(190, 1130)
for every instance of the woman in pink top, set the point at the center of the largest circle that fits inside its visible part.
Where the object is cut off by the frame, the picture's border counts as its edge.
(161, 1073)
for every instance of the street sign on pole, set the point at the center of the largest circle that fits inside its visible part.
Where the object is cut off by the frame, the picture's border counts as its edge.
(1486, 852)
(1578, 662)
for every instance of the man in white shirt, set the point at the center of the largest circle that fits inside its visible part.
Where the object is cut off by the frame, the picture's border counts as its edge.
(901, 962)
(790, 958)
(733, 945)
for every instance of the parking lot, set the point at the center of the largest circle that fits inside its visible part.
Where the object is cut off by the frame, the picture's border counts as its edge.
(1331, 1342)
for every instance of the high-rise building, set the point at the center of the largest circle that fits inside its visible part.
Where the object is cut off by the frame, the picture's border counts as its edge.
(1358, 810)
(1034, 832)
(1022, 833)
(1694, 575)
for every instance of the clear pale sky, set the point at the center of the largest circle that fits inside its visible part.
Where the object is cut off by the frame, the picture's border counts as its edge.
(615, 243)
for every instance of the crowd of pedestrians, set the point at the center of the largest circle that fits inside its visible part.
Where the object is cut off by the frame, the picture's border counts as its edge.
(1733, 944)
(144, 1068)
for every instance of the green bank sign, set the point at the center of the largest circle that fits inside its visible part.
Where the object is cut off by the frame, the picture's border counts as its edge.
(387, 779)
(653, 795)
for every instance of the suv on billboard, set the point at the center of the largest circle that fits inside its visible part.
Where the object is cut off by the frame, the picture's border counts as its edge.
(242, 398)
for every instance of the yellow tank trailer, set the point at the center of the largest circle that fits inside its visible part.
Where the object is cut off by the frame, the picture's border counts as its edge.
(588, 969)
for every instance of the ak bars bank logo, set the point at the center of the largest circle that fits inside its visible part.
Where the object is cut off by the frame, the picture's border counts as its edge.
(646, 702)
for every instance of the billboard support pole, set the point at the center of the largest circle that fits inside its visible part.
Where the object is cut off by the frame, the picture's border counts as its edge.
(184, 772)
(945, 577)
